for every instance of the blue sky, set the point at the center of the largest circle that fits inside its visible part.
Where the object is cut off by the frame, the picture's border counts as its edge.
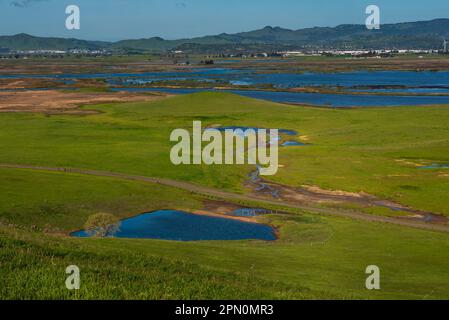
(172, 19)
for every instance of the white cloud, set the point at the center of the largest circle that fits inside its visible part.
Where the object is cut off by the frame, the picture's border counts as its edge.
(24, 3)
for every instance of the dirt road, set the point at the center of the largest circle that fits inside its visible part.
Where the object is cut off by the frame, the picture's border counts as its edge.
(201, 190)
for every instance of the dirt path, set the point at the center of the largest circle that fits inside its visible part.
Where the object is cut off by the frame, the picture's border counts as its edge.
(307, 195)
(197, 189)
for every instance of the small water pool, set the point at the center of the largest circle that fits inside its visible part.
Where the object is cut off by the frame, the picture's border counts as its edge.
(292, 144)
(315, 99)
(435, 166)
(182, 226)
(248, 212)
(282, 134)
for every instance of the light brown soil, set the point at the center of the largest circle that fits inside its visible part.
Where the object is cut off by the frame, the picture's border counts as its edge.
(318, 190)
(17, 84)
(216, 208)
(212, 214)
(409, 163)
(313, 195)
(53, 101)
(220, 207)
(104, 65)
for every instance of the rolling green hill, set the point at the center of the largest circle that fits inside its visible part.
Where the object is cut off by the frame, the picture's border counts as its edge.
(316, 256)
(408, 35)
(24, 41)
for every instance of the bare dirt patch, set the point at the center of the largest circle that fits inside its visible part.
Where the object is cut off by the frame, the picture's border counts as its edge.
(53, 101)
(227, 196)
(314, 195)
(318, 190)
(27, 83)
(222, 209)
(409, 163)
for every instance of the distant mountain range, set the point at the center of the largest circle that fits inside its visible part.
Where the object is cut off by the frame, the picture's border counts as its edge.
(409, 35)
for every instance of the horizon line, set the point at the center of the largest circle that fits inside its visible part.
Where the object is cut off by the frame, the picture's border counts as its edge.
(210, 35)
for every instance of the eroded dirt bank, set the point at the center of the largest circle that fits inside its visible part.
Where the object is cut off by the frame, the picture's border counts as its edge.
(313, 195)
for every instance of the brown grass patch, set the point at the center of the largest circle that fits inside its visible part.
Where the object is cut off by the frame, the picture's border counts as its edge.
(53, 101)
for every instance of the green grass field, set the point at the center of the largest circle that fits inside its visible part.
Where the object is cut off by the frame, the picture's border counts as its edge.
(316, 257)
(371, 150)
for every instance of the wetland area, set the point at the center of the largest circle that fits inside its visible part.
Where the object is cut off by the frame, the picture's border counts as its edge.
(356, 183)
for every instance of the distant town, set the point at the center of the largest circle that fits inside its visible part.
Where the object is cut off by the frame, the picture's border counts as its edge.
(179, 54)
(419, 38)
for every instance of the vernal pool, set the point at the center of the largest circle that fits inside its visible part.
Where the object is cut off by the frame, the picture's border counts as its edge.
(436, 166)
(241, 131)
(182, 226)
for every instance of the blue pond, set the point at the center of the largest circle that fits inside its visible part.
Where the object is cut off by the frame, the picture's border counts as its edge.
(183, 226)
(435, 166)
(420, 83)
(319, 99)
(248, 212)
(292, 144)
(282, 132)
(405, 90)
(278, 80)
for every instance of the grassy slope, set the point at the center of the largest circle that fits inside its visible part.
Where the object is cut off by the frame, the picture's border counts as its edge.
(62, 203)
(316, 257)
(33, 267)
(351, 150)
